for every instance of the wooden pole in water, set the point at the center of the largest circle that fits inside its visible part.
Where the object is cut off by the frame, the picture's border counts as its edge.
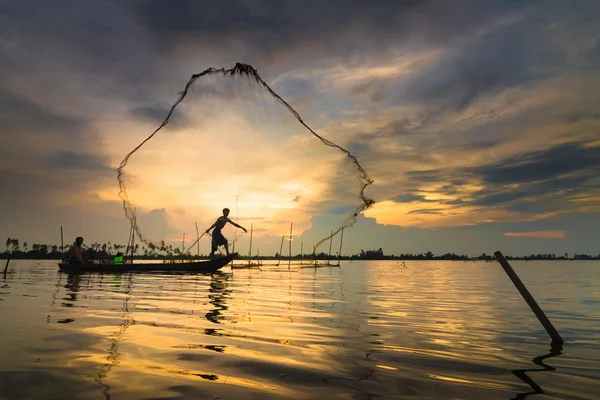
(290, 246)
(280, 250)
(341, 242)
(198, 240)
(133, 236)
(250, 252)
(6, 267)
(556, 339)
(131, 231)
(330, 243)
(62, 243)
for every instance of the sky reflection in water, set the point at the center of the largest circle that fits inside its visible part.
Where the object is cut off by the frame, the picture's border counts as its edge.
(368, 330)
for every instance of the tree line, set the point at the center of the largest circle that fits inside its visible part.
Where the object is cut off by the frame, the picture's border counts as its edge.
(108, 250)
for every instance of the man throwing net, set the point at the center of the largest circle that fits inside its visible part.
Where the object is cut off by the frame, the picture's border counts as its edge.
(217, 237)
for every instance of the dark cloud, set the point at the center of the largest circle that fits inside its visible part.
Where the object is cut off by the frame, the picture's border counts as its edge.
(426, 211)
(573, 118)
(67, 159)
(140, 54)
(342, 210)
(560, 187)
(269, 30)
(545, 180)
(296, 88)
(408, 198)
(433, 175)
(156, 114)
(19, 115)
(520, 46)
(533, 182)
(268, 27)
(542, 165)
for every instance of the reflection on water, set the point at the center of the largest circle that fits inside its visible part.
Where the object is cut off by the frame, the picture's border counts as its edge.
(367, 330)
(113, 350)
(555, 350)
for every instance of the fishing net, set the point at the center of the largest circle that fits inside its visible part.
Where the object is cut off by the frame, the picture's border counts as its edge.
(230, 140)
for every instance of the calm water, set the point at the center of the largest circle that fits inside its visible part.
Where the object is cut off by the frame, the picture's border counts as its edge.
(367, 330)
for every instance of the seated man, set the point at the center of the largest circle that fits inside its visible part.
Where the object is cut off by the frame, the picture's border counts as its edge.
(118, 258)
(76, 252)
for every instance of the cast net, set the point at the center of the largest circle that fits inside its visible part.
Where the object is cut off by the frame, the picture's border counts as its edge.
(230, 140)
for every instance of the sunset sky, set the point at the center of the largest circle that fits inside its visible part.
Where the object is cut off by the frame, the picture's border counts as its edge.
(478, 121)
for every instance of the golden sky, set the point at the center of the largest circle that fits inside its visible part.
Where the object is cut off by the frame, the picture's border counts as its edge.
(483, 128)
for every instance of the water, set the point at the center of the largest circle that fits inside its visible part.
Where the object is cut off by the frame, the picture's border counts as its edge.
(367, 330)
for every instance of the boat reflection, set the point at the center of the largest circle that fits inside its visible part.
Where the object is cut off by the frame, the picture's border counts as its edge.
(555, 350)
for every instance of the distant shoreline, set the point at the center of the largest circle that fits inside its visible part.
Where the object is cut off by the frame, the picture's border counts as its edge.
(577, 257)
(21, 250)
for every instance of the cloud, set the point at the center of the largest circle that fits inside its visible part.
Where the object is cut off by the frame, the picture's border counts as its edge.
(18, 115)
(464, 113)
(545, 164)
(537, 234)
(67, 159)
(409, 198)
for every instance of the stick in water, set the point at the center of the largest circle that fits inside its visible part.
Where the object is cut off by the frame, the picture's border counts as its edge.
(280, 250)
(330, 243)
(250, 252)
(6, 267)
(62, 244)
(340, 254)
(197, 239)
(529, 299)
(290, 260)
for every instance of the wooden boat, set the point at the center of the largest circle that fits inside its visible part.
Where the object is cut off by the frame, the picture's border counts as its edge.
(191, 266)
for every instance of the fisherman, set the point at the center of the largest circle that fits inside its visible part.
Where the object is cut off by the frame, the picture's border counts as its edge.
(76, 252)
(118, 258)
(217, 237)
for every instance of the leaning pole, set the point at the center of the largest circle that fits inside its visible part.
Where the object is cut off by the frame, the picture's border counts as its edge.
(556, 339)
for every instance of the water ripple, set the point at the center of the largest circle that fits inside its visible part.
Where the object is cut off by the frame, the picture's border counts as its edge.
(367, 330)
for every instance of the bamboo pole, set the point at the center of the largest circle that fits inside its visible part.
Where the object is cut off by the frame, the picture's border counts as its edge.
(250, 252)
(133, 236)
(237, 220)
(556, 339)
(341, 242)
(6, 267)
(290, 246)
(280, 250)
(330, 243)
(62, 243)
(131, 231)
(197, 240)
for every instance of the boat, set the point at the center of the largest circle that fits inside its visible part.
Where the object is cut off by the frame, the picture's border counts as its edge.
(190, 266)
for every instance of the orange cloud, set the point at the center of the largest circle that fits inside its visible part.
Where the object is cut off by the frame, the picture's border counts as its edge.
(538, 234)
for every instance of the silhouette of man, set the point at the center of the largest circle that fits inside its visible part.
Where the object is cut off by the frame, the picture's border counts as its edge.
(217, 237)
(76, 252)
